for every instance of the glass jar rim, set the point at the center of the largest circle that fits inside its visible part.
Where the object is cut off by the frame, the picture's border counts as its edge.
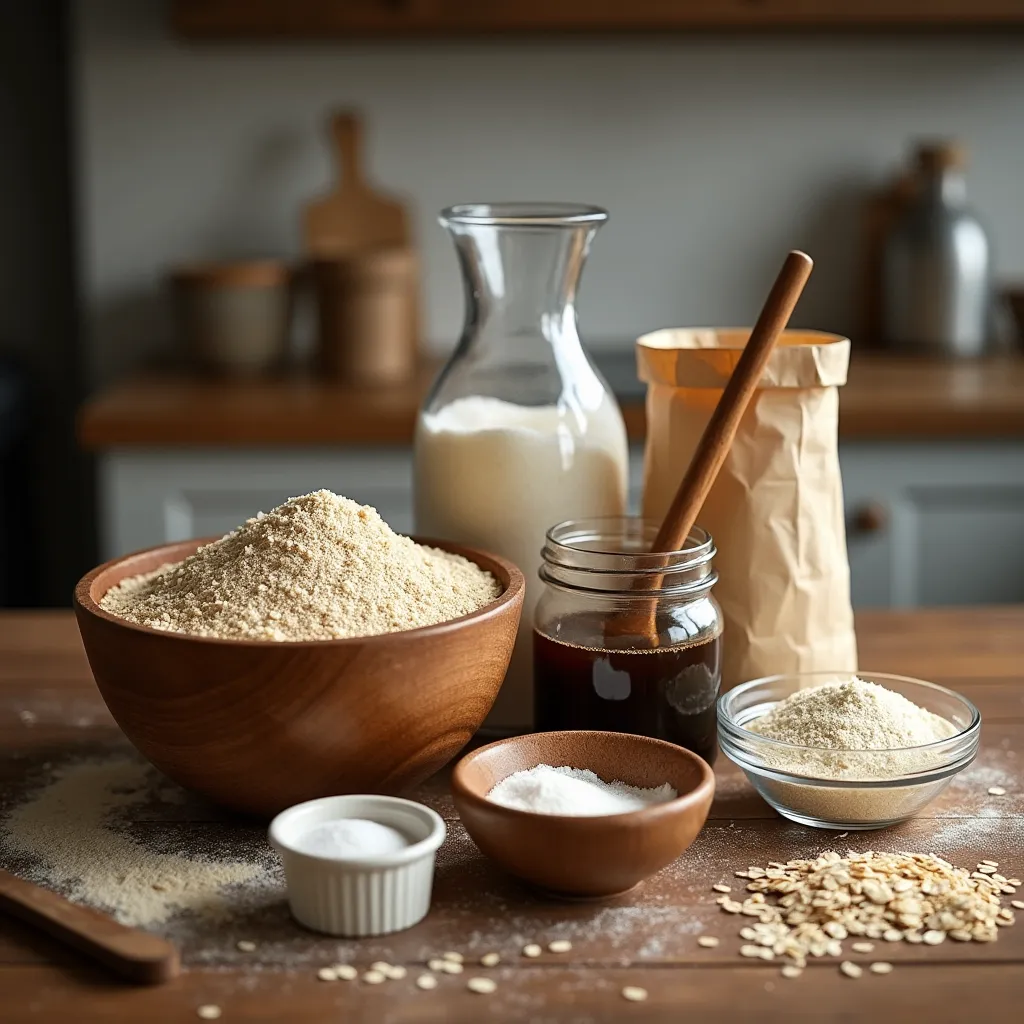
(577, 555)
(523, 215)
(699, 546)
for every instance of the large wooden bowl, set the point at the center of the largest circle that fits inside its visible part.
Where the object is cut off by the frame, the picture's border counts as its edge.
(260, 725)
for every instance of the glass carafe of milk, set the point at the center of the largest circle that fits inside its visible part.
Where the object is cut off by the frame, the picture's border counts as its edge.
(520, 431)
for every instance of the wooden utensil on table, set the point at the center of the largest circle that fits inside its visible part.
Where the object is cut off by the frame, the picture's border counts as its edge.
(354, 216)
(720, 430)
(143, 958)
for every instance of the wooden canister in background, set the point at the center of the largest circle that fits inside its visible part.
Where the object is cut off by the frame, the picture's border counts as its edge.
(368, 313)
(233, 318)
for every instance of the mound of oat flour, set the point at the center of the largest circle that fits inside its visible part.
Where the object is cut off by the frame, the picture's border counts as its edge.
(318, 567)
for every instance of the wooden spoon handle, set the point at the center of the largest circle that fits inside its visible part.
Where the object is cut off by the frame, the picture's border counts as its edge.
(725, 420)
(139, 956)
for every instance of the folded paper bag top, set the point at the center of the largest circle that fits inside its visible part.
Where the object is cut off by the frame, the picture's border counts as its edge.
(776, 509)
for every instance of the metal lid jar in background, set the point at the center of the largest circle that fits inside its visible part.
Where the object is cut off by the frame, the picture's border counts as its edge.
(587, 676)
(936, 263)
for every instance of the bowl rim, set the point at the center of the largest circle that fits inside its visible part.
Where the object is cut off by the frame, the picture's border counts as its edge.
(705, 789)
(511, 592)
(425, 847)
(727, 722)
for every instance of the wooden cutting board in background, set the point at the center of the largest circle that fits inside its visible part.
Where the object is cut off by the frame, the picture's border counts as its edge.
(354, 215)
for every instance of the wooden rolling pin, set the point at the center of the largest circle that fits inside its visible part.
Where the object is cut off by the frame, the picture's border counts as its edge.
(138, 956)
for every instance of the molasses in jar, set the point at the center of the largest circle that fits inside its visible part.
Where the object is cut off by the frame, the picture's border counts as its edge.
(588, 674)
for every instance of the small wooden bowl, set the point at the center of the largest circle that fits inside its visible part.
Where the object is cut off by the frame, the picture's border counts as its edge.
(259, 725)
(591, 857)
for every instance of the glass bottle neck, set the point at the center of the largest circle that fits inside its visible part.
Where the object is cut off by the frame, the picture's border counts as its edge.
(521, 283)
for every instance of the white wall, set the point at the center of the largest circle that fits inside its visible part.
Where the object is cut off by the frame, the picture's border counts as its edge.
(713, 154)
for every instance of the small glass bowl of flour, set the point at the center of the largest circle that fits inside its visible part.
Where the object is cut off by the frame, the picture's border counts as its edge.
(835, 751)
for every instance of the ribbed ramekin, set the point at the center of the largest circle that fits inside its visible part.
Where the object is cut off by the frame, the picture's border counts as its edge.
(354, 898)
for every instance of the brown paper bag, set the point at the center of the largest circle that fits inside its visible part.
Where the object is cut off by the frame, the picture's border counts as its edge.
(776, 509)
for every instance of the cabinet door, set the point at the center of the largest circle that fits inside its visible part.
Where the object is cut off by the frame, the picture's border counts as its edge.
(935, 524)
(153, 497)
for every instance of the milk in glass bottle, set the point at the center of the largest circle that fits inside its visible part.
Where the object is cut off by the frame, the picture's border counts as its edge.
(519, 431)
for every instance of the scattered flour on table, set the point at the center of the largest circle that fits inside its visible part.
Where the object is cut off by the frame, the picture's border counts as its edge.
(573, 791)
(318, 567)
(71, 833)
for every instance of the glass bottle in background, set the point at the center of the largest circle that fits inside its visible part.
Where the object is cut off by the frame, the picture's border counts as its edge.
(519, 431)
(936, 265)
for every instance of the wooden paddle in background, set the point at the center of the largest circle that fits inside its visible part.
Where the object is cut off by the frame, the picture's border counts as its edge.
(354, 215)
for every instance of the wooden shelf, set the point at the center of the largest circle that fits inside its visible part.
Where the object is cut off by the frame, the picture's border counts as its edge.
(887, 397)
(319, 19)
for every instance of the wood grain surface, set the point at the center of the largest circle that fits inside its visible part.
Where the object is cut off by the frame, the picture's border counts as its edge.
(886, 397)
(50, 711)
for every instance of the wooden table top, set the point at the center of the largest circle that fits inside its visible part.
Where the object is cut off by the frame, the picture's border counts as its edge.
(50, 711)
(886, 397)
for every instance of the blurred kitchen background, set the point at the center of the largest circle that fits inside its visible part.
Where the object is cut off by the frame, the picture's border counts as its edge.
(144, 140)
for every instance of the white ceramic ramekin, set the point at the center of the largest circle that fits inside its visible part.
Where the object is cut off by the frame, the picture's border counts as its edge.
(380, 894)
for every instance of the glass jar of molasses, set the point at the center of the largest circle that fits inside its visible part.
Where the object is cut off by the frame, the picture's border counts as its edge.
(626, 639)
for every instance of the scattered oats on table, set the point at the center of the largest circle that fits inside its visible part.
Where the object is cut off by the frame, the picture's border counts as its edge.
(327, 974)
(559, 946)
(454, 958)
(531, 949)
(707, 941)
(996, 791)
(881, 967)
(634, 993)
(346, 972)
(374, 978)
(912, 897)
(245, 946)
(208, 1012)
(851, 970)
(482, 986)
(490, 960)
(426, 982)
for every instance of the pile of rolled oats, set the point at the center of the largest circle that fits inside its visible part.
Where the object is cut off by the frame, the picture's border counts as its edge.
(894, 897)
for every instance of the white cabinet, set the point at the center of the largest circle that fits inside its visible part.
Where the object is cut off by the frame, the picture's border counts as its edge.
(927, 524)
(934, 523)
